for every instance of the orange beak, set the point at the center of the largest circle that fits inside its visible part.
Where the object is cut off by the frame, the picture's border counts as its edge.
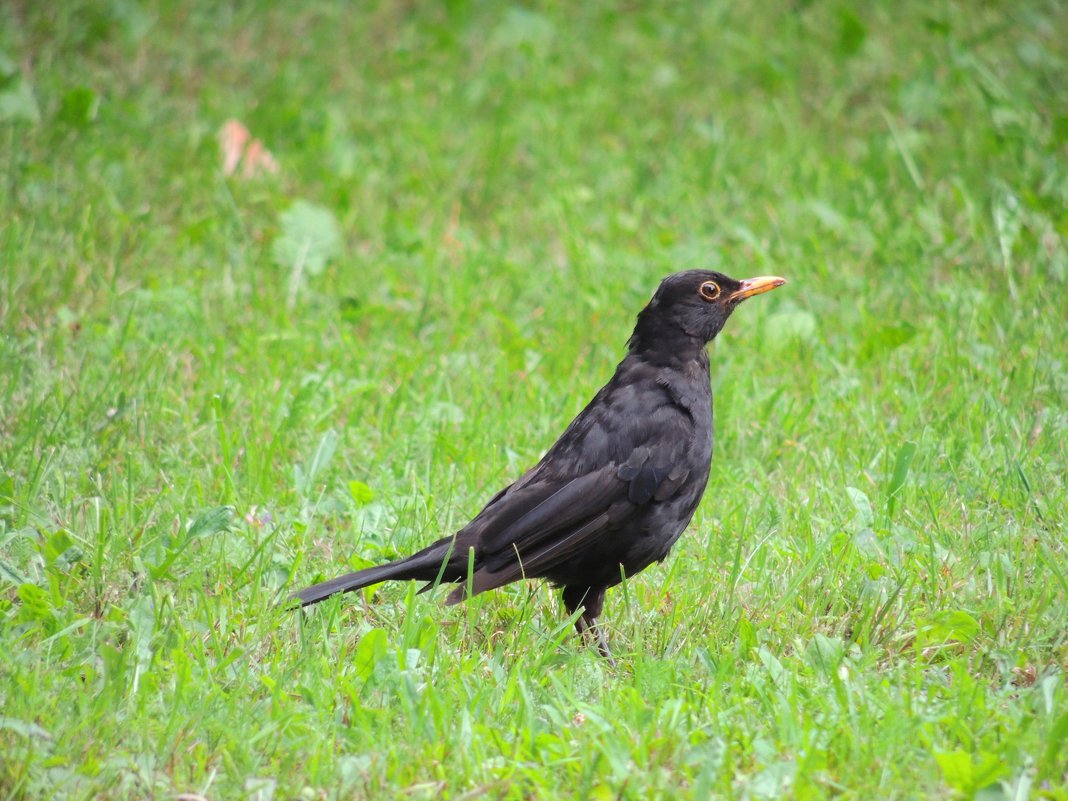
(756, 286)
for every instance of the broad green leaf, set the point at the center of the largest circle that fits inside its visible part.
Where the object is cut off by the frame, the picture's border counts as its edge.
(956, 767)
(902, 463)
(323, 454)
(11, 574)
(852, 33)
(361, 493)
(309, 238)
(371, 649)
(825, 653)
(953, 625)
(884, 339)
(865, 517)
(306, 476)
(17, 101)
(79, 107)
(35, 602)
(23, 728)
(210, 522)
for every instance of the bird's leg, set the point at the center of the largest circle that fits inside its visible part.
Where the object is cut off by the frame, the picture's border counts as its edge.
(592, 602)
(592, 632)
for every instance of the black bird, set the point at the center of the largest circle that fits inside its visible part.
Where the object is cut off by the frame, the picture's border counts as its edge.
(612, 495)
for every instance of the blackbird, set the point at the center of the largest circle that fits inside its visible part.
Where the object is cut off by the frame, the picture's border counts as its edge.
(614, 493)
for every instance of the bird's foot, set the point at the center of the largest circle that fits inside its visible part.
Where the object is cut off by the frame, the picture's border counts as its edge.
(594, 636)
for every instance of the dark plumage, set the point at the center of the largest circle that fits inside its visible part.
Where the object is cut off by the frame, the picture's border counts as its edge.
(614, 493)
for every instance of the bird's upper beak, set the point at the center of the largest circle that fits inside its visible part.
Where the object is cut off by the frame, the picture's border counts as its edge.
(756, 286)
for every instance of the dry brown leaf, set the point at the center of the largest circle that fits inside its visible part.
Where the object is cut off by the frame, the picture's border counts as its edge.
(258, 159)
(238, 147)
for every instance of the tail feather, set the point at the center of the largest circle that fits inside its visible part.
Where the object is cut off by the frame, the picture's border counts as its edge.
(425, 566)
(347, 583)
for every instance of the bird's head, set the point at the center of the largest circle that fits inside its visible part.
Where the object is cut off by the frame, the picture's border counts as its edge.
(692, 307)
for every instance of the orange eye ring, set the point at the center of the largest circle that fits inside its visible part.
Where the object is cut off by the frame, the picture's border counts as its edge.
(709, 290)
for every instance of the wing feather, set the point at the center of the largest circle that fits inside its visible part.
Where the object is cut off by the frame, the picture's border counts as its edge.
(566, 503)
(564, 507)
(551, 553)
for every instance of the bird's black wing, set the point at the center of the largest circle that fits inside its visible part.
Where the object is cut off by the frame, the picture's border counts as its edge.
(627, 449)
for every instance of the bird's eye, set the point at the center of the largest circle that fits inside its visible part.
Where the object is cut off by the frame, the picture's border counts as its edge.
(709, 290)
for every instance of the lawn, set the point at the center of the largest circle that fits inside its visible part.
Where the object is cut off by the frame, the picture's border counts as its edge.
(215, 389)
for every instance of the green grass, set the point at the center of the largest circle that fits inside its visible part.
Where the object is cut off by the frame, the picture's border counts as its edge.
(871, 601)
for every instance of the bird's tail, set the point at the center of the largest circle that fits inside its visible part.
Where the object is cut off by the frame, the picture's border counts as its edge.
(426, 565)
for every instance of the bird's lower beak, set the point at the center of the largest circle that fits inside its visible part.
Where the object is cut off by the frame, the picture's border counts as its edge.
(756, 286)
